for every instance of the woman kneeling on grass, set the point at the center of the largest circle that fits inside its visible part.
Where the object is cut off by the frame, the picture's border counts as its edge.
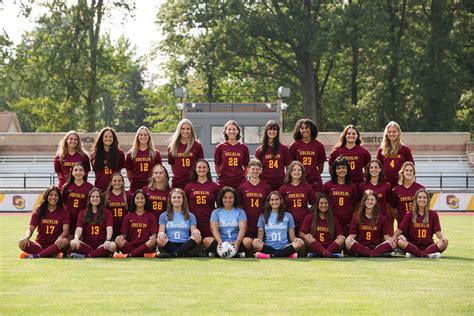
(276, 231)
(139, 229)
(418, 228)
(178, 234)
(369, 234)
(52, 220)
(95, 226)
(321, 231)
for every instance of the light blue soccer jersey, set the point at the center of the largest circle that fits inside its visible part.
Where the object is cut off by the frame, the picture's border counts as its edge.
(228, 222)
(178, 229)
(276, 233)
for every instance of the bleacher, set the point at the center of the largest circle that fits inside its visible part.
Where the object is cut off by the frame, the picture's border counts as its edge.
(442, 173)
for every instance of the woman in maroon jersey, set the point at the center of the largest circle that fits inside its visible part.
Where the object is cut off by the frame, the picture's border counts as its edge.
(374, 180)
(74, 195)
(342, 193)
(183, 152)
(349, 147)
(93, 235)
(231, 157)
(70, 152)
(158, 189)
(107, 158)
(310, 152)
(297, 193)
(141, 159)
(321, 231)
(201, 193)
(139, 228)
(274, 156)
(393, 153)
(369, 232)
(402, 195)
(52, 221)
(117, 201)
(418, 228)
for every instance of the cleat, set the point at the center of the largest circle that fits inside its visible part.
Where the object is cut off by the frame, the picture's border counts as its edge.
(239, 255)
(314, 255)
(212, 255)
(76, 255)
(409, 255)
(434, 255)
(24, 255)
(385, 255)
(337, 255)
(397, 251)
(119, 255)
(261, 255)
(164, 256)
(293, 256)
(59, 255)
(149, 255)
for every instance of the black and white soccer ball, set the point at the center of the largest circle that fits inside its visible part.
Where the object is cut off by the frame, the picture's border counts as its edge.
(226, 250)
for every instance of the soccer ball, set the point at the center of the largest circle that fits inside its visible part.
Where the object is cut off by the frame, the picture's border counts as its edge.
(226, 250)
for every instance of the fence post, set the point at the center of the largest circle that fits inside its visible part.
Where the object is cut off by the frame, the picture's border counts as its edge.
(24, 180)
(441, 180)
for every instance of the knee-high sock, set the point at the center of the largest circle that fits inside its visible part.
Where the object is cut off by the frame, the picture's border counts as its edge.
(127, 248)
(431, 249)
(212, 247)
(284, 252)
(33, 248)
(318, 248)
(189, 245)
(140, 251)
(382, 248)
(411, 248)
(50, 251)
(84, 249)
(333, 247)
(100, 252)
(361, 250)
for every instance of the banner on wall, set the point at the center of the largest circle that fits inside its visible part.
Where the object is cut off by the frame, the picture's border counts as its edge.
(19, 202)
(452, 201)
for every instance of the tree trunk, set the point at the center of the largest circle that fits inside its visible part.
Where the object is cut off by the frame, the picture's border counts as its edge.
(354, 73)
(307, 78)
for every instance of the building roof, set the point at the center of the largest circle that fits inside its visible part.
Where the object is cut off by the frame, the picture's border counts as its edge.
(9, 123)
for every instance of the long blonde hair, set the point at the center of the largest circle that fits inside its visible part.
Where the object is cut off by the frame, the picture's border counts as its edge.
(387, 148)
(414, 212)
(176, 139)
(153, 185)
(136, 144)
(402, 169)
(62, 146)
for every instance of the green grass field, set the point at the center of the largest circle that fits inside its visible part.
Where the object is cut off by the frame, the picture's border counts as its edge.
(394, 286)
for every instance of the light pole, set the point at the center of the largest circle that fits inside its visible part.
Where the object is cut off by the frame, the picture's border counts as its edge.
(283, 92)
(181, 93)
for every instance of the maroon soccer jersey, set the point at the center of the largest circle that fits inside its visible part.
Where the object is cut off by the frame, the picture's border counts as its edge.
(102, 177)
(419, 234)
(367, 234)
(158, 200)
(139, 228)
(75, 200)
(95, 234)
(232, 160)
(116, 204)
(357, 156)
(141, 167)
(310, 155)
(202, 201)
(182, 164)
(50, 227)
(322, 231)
(64, 167)
(274, 166)
(297, 200)
(384, 194)
(253, 199)
(392, 163)
(342, 198)
(402, 198)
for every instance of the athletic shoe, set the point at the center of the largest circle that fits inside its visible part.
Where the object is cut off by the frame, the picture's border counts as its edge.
(164, 256)
(385, 255)
(314, 255)
(59, 255)
(337, 255)
(293, 256)
(212, 255)
(261, 255)
(119, 255)
(434, 255)
(409, 255)
(149, 255)
(76, 255)
(239, 255)
(24, 255)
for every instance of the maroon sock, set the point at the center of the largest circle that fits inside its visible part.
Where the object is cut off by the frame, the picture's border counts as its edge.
(431, 249)
(127, 248)
(140, 251)
(33, 248)
(50, 251)
(84, 249)
(318, 248)
(334, 247)
(411, 248)
(382, 248)
(361, 250)
(100, 252)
